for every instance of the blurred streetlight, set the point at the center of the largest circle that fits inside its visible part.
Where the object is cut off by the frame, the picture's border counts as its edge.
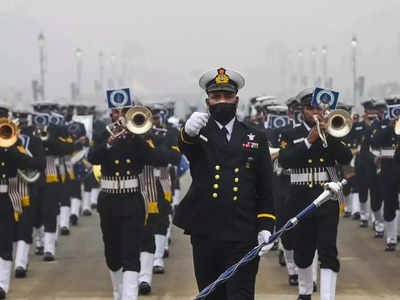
(42, 45)
(78, 56)
(314, 65)
(113, 71)
(324, 52)
(354, 62)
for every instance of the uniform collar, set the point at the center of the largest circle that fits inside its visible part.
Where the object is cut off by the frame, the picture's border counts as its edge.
(228, 126)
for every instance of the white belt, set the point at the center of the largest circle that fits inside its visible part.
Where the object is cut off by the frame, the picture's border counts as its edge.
(119, 185)
(3, 188)
(387, 153)
(308, 175)
(157, 172)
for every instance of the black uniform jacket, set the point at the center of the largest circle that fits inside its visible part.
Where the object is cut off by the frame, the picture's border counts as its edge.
(294, 154)
(230, 197)
(126, 158)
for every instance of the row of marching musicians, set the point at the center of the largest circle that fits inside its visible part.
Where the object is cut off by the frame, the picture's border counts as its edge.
(373, 172)
(139, 183)
(46, 198)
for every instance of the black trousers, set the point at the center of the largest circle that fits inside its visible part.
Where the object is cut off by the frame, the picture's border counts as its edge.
(367, 179)
(282, 201)
(90, 183)
(390, 185)
(50, 205)
(318, 232)
(122, 225)
(211, 258)
(148, 243)
(7, 225)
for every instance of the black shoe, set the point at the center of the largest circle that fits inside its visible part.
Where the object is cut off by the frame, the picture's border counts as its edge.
(20, 272)
(39, 251)
(64, 231)
(282, 261)
(356, 216)
(166, 253)
(346, 214)
(315, 288)
(158, 270)
(93, 206)
(293, 280)
(48, 256)
(87, 213)
(73, 219)
(2, 294)
(363, 223)
(144, 288)
(390, 247)
(304, 297)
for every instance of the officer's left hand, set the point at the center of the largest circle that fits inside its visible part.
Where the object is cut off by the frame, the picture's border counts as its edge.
(263, 237)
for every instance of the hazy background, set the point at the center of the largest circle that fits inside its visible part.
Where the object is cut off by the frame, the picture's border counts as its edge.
(162, 47)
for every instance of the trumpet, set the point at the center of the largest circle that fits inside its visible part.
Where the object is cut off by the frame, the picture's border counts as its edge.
(137, 120)
(8, 133)
(339, 124)
(397, 126)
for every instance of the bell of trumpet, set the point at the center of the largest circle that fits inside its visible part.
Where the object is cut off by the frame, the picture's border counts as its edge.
(339, 123)
(8, 133)
(397, 126)
(274, 152)
(138, 120)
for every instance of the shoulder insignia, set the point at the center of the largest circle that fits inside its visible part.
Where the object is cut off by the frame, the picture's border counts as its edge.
(283, 144)
(21, 149)
(150, 142)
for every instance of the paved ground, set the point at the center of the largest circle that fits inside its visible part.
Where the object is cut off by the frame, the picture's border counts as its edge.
(368, 273)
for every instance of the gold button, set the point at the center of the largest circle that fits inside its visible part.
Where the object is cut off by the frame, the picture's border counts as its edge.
(217, 177)
(128, 172)
(116, 173)
(235, 198)
(321, 159)
(217, 168)
(215, 186)
(4, 175)
(309, 160)
(236, 179)
(128, 161)
(214, 195)
(310, 185)
(235, 189)
(236, 170)
(3, 163)
(116, 162)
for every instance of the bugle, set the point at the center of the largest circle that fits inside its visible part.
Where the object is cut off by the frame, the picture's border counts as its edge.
(8, 133)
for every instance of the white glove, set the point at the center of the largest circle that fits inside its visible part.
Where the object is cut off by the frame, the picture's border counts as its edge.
(334, 187)
(195, 123)
(263, 236)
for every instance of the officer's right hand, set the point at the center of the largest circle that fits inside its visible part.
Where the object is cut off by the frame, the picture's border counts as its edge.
(195, 123)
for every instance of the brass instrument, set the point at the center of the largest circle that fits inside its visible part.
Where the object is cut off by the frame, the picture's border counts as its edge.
(137, 120)
(8, 133)
(339, 124)
(397, 126)
(274, 152)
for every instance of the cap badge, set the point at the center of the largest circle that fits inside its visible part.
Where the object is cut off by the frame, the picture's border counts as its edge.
(251, 136)
(221, 77)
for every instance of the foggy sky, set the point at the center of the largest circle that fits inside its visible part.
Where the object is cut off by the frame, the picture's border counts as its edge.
(169, 44)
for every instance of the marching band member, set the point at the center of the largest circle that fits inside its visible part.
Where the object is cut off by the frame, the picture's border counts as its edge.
(366, 170)
(121, 206)
(386, 140)
(311, 165)
(24, 227)
(12, 157)
(229, 205)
